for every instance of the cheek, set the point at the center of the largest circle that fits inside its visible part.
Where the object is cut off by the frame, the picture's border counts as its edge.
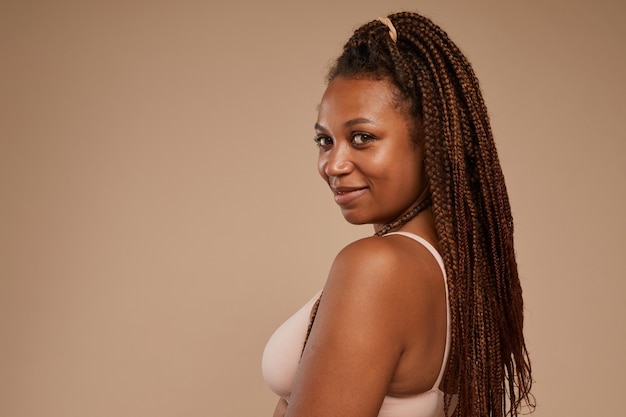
(409, 174)
(418, 175)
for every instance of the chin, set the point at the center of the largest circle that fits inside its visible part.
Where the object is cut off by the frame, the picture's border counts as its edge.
(355, 222)
(356, 218)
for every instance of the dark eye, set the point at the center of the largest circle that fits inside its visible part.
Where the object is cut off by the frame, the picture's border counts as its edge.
(361, 138)
(323, 141)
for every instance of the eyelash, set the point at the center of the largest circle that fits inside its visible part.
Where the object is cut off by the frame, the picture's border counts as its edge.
(321, 138)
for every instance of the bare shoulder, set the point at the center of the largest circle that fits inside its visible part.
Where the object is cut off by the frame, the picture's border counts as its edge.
(390, 261)
(384, 276)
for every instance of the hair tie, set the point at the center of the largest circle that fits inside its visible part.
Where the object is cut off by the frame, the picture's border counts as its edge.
(392, 30)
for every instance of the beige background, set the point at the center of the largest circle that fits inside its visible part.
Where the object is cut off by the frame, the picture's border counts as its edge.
(161, 214)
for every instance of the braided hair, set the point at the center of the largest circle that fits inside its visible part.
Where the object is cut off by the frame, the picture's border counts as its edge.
(489, 368)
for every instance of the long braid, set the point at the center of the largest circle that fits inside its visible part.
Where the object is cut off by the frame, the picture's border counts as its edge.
(488, 357)
(314, 309)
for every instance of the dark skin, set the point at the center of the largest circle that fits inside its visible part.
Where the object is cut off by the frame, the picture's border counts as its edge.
(381, 325)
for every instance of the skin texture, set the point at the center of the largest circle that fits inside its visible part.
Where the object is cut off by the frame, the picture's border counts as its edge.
(380, 328)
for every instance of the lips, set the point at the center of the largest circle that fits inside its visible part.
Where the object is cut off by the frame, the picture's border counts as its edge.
(346, 195)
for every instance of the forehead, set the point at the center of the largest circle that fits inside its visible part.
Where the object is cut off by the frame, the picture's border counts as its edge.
(350, 97)
(359, 91)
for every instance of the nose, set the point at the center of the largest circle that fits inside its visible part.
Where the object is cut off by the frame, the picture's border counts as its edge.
(337, 161)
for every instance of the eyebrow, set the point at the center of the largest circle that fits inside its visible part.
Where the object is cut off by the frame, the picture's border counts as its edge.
(349, 123)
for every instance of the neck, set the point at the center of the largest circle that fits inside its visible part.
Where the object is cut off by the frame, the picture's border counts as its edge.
(404, 218)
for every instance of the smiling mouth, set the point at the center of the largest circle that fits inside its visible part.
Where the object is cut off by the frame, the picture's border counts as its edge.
(345, 196)
(344, 192)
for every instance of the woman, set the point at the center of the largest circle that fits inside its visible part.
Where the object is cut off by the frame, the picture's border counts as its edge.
(425, 317)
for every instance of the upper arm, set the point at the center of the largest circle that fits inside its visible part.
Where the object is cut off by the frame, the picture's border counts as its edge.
(359, 335)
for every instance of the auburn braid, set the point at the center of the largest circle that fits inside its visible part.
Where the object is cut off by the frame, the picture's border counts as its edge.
(489, 368)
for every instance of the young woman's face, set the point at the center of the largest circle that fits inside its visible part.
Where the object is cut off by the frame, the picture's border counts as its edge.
(366, 152)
